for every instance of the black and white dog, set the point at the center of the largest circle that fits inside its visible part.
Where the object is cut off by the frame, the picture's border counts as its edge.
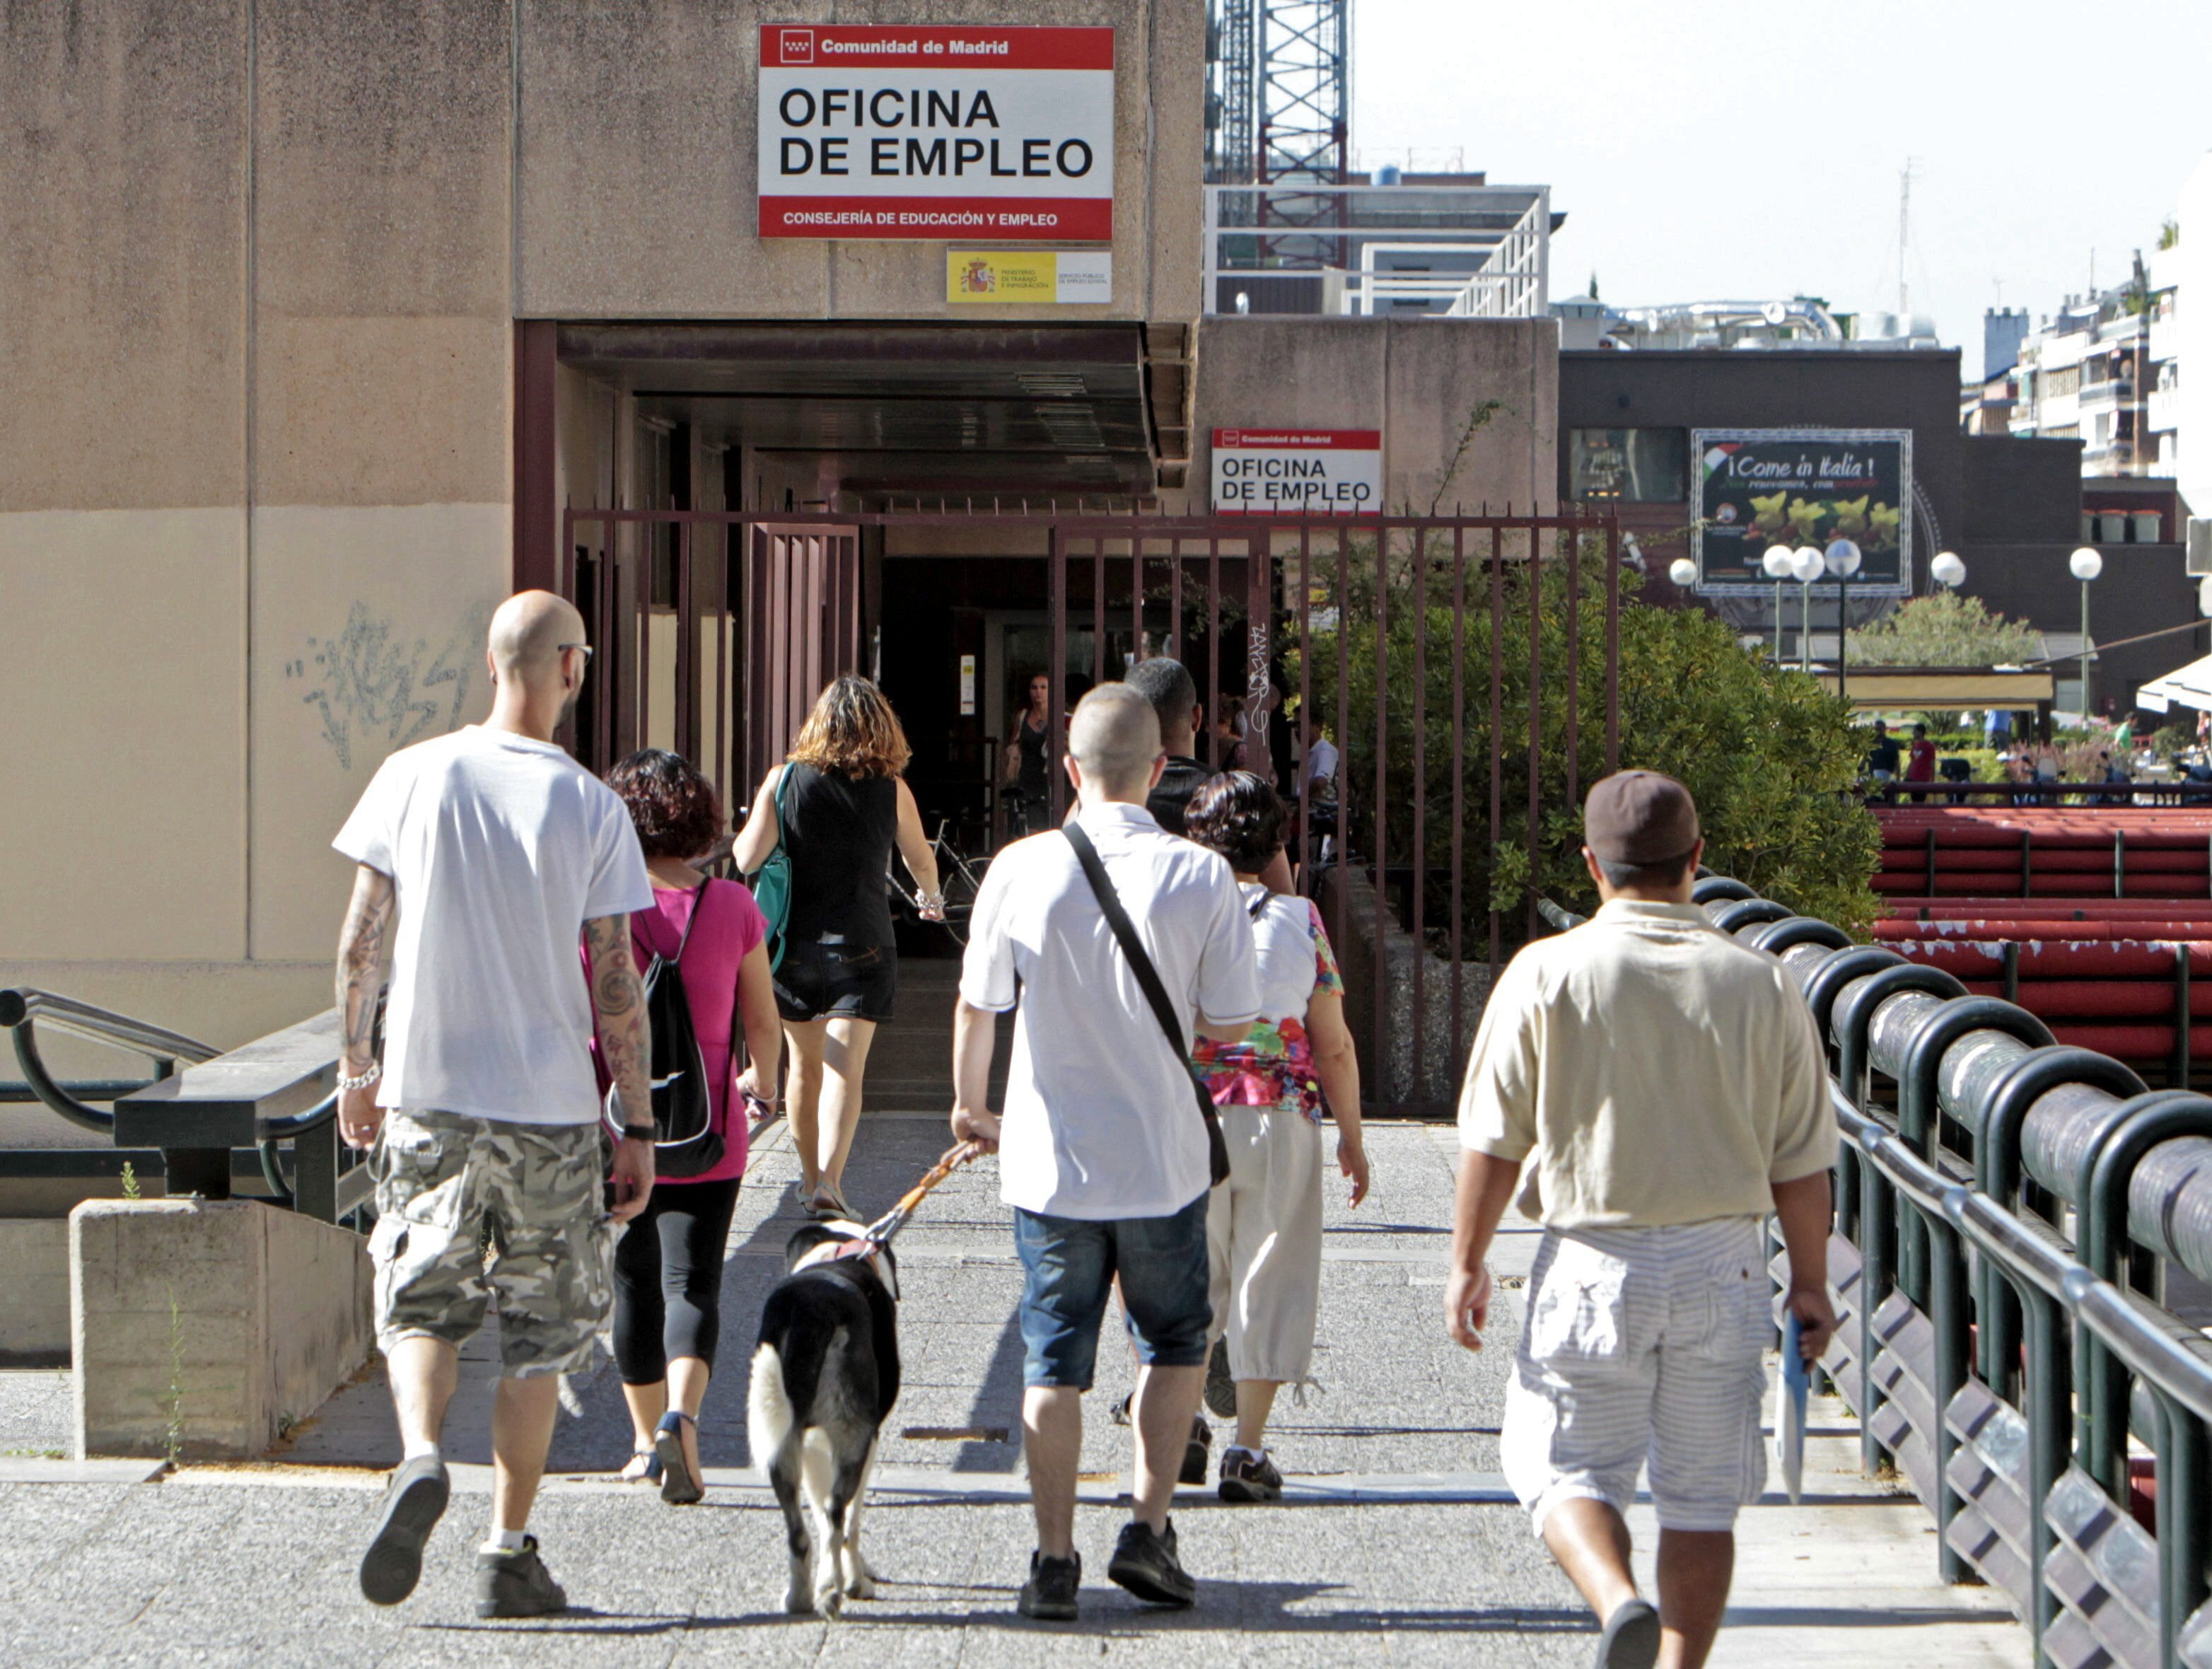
(825, 1374)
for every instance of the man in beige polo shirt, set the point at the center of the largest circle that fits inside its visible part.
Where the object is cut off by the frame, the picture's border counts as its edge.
(1665, 1085)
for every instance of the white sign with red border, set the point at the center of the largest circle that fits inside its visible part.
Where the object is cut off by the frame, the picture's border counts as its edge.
(925, 132)
(1326, 472)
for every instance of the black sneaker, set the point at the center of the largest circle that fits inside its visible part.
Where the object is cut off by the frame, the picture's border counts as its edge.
(1048, 1596)
(1631, 1640)
(1197, 1452)
(1248, 1476)
(1220, 1387)
(516, 1584)
(1144, 1564)
(412, 1507)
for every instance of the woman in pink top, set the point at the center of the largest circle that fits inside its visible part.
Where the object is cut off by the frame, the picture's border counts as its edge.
(668, 1263)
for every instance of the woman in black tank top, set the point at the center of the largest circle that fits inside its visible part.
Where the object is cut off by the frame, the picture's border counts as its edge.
(844, 810)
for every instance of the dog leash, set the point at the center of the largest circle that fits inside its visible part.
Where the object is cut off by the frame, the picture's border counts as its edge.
(881, 1230)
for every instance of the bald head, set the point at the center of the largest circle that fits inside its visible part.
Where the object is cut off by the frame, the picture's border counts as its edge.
(528, 632)
(1115, 740)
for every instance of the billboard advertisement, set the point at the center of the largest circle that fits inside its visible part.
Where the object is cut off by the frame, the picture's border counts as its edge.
(1758, 487)
(933, 131)
(1325, 472)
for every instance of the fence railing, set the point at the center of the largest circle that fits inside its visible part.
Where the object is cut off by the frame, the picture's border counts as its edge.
(2009, 1214)
(194, 1128)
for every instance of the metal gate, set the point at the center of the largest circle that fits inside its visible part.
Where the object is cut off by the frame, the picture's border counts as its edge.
(1465, 668)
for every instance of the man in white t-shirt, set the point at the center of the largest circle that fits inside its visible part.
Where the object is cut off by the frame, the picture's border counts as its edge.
(1101, 1148)
(495, 851)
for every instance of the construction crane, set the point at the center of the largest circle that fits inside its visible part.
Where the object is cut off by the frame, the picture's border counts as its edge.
(1278, 113)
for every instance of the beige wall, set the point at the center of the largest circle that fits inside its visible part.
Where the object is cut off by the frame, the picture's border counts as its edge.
(255, 299)
(1420, 381)
(635, 171)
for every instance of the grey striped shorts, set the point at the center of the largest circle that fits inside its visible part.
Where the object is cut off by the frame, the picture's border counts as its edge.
(1644, 1346)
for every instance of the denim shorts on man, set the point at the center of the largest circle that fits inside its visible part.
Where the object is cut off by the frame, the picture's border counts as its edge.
(1070, 1264)
(469, 1207)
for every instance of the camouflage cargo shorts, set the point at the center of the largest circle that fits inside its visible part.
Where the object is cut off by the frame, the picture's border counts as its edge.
(469, 1207)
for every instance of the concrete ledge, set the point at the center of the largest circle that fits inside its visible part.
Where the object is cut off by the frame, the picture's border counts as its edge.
(35, 1304)
(204, 1328)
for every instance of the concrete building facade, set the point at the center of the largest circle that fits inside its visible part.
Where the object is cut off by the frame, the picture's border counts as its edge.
(314, 320)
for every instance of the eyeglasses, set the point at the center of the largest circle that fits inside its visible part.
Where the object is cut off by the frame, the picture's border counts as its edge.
(586, 647)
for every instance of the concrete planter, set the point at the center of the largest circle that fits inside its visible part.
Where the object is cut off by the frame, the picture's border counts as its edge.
(1390, 1073)
(201, 1327)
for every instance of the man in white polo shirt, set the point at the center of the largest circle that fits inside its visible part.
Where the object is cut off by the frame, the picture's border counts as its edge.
(1665, 1085)
(1102, 1149)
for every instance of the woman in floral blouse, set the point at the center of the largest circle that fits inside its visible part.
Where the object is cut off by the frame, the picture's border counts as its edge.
(1263, 1227)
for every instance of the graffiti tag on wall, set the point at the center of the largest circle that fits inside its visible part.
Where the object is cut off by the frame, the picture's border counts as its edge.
(378, 689)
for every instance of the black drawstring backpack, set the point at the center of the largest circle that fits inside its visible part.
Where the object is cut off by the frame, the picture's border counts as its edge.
(685, 1143)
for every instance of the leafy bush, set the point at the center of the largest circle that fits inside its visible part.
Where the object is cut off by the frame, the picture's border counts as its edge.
(1944, 630)
(1772, 757)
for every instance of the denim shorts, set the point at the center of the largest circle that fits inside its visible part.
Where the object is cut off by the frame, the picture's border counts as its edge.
(1070, 1264)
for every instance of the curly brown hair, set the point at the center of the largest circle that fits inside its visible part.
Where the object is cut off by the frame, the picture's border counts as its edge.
(1240, 816)
(851, 729)
(675, 810)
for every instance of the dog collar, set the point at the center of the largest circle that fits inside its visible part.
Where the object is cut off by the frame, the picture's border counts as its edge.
(831, 1252)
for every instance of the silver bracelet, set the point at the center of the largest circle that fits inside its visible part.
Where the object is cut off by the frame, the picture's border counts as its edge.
(375, 1072)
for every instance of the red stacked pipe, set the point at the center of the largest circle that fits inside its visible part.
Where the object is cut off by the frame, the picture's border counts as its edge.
(2116, 852)
(2097, 919)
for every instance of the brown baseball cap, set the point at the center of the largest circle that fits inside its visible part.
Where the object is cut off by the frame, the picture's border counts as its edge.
(1640, 818)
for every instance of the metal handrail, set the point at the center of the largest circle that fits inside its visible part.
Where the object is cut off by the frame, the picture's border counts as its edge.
(23, 1009)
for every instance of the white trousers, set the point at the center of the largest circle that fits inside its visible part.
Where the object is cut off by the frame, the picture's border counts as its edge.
(1642, 1347)
(1263, 1243)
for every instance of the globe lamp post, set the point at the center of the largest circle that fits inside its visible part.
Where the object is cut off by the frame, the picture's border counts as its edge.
(1842, 559)
(1777, 563)
(1683, 571)
(1806, 564)
(1947, 571)
(2086, 565)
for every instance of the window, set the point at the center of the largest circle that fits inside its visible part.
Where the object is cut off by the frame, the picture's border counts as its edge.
(1631, 465)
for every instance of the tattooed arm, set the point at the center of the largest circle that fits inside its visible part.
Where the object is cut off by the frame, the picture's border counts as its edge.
(360, 959)
(626, 1046)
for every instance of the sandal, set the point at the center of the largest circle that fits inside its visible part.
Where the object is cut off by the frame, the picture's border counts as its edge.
(678, 1487)
(644, 1467)
(826, 1204)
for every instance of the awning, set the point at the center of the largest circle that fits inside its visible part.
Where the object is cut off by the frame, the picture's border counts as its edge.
(2190, 686)
(1916, 689)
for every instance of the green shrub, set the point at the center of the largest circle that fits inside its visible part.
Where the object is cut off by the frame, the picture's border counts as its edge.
(1772, 758)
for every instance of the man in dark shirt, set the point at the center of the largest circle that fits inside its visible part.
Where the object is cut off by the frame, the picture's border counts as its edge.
(1883, 757)
(1167, 684)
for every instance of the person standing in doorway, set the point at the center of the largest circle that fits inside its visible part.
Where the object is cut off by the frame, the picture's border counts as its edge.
(840, 807)
(668, 1266)
(1028, 760)
(1103, 1154)
(496, 851)
(1666, 1088)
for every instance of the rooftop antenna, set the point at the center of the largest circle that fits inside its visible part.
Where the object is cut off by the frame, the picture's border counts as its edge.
(1904, 178)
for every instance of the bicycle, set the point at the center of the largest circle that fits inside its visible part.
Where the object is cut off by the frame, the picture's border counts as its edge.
(959, 877)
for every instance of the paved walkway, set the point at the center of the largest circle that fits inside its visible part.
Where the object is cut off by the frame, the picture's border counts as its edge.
(1398, 1543)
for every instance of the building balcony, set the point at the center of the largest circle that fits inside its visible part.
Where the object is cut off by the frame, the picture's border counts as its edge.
(2163, 410)
(2103, 396)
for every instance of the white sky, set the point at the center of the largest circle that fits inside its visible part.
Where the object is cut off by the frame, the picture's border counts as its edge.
(1751, 150)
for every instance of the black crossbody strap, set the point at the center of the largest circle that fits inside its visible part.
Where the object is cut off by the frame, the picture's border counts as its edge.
(1148, 978)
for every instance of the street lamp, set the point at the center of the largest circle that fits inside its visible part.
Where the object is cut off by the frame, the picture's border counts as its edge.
(1948, 570)
(1777, 563)
(1842, 559)
(2086, 565)
(1683, 571)
(1806, 563)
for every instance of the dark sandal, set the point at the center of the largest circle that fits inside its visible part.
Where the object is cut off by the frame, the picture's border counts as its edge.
(647, 1473)
(679, 1488)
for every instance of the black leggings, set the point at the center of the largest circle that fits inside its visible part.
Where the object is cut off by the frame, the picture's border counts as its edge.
(668, 1279)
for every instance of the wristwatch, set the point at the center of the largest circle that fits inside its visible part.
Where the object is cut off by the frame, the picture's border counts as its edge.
(641, 1133)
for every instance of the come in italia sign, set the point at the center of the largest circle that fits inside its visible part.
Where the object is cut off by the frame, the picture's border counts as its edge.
(1306, 472)
(932, 132)
(1758, 487)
